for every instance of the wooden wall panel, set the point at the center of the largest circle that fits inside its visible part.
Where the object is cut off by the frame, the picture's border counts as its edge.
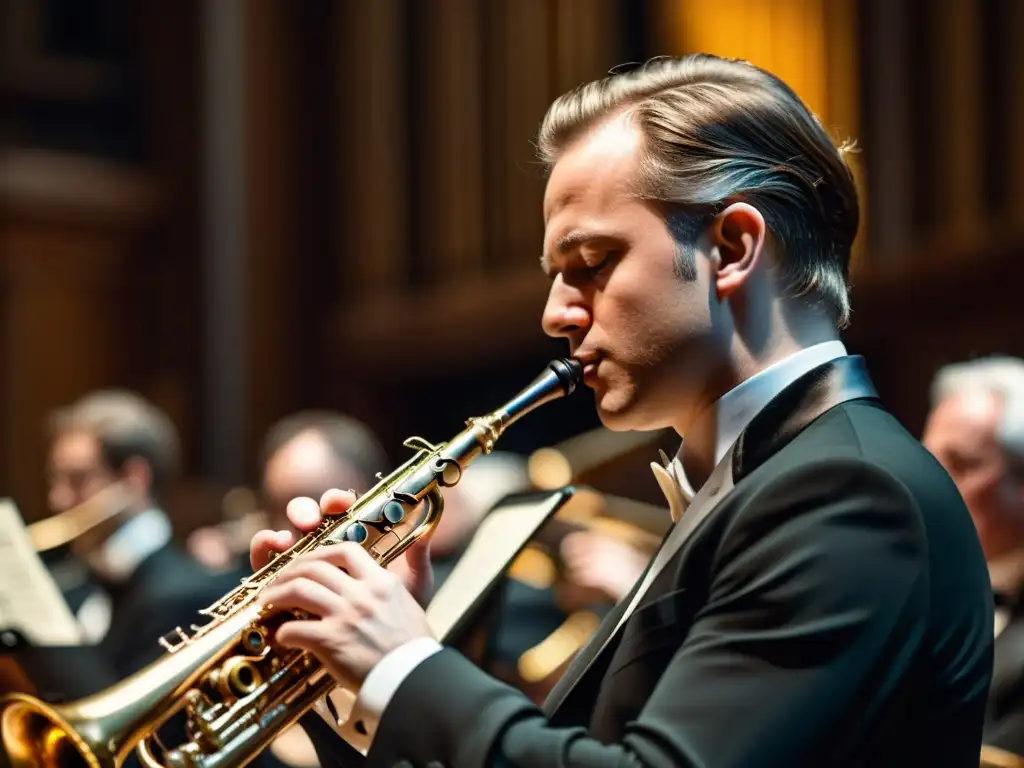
(956, 68)
(586, 43)
(914, 322)
(449, 285)
(886, 130)
(270, 227)
(448, 130)
(69, 230)
(374, 159)
(519, 90)
(786, 37)
(1013, 101)
(470, 232)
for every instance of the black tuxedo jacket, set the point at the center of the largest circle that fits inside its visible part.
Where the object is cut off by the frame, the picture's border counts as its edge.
(834, 609)
(167, 590)
(1004, 718)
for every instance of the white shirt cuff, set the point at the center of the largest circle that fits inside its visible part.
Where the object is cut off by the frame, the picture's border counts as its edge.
(385, 678)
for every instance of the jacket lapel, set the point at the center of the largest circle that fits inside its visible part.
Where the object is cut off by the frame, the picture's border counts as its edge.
(588, 653)
(789, 413)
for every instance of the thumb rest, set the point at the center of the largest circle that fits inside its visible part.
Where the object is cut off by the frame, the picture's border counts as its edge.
(236, 690)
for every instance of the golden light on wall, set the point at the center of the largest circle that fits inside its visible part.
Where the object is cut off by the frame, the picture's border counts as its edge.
(811, 44)
(786, 37)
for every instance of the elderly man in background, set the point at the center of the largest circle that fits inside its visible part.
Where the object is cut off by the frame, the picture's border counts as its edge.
(976, 430)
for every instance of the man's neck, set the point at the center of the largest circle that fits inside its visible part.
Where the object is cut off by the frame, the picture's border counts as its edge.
(716, 427)
(784, 332)
(792, 329)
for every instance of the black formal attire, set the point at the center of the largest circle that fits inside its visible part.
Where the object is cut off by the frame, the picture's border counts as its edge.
(832, 609)
(157, 587)
(1004, 717)
(167, 590)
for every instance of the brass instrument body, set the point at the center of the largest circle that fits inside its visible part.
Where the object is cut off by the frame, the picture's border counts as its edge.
(237, 690)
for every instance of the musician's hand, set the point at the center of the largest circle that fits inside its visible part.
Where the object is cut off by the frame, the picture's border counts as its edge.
(599, 566)
(359, 611)
(413, 567)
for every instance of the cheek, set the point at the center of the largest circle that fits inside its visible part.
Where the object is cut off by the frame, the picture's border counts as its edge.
(980, 490)
(645, 311)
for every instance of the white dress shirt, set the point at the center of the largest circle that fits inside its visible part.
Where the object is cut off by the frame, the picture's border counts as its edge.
(116, 561)
(732, 413)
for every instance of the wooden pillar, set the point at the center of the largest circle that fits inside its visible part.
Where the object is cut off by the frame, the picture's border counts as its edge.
(448, 125)
(225, 340)
(1015, 113)
(586, 41)
(519, 91)
(68, 228)
(272, 356)
(842, 102)
(890, 131)
(956, 67)
(376, 133)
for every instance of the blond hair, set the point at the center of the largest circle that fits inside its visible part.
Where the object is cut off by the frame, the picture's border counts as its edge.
(719, 130)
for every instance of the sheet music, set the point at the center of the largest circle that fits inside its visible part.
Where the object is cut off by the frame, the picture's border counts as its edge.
(499, 537)
(30, 600)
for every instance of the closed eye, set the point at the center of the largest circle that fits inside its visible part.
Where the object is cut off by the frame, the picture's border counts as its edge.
(606, 259)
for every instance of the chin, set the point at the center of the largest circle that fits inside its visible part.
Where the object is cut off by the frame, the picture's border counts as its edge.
(623, 415)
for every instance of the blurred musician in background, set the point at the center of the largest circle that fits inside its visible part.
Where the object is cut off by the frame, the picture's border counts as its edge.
(141, 585)
(824, 599)
(976, 430)
(303, 454)
(599, 567)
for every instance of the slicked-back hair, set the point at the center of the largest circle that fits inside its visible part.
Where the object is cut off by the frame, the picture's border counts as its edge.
(716, 131)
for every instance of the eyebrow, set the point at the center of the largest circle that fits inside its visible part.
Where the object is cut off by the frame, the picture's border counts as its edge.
(574, 239)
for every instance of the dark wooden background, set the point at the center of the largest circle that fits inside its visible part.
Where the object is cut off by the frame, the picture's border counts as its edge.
(390, 203)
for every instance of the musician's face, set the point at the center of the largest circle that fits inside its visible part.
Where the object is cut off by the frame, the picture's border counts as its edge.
(76, 470)
(961, 434)
(304, 466)
(644, 333)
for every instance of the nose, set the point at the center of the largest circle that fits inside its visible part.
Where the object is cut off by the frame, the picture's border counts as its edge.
(566, 315)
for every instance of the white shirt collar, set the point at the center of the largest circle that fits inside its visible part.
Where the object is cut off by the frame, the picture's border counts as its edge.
(123, 552)
(734, 410)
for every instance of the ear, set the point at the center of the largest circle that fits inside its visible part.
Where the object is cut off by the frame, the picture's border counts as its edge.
(737, 238)
(138, 476)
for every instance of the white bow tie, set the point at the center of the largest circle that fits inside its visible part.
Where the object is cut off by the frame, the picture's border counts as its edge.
(668, 476)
